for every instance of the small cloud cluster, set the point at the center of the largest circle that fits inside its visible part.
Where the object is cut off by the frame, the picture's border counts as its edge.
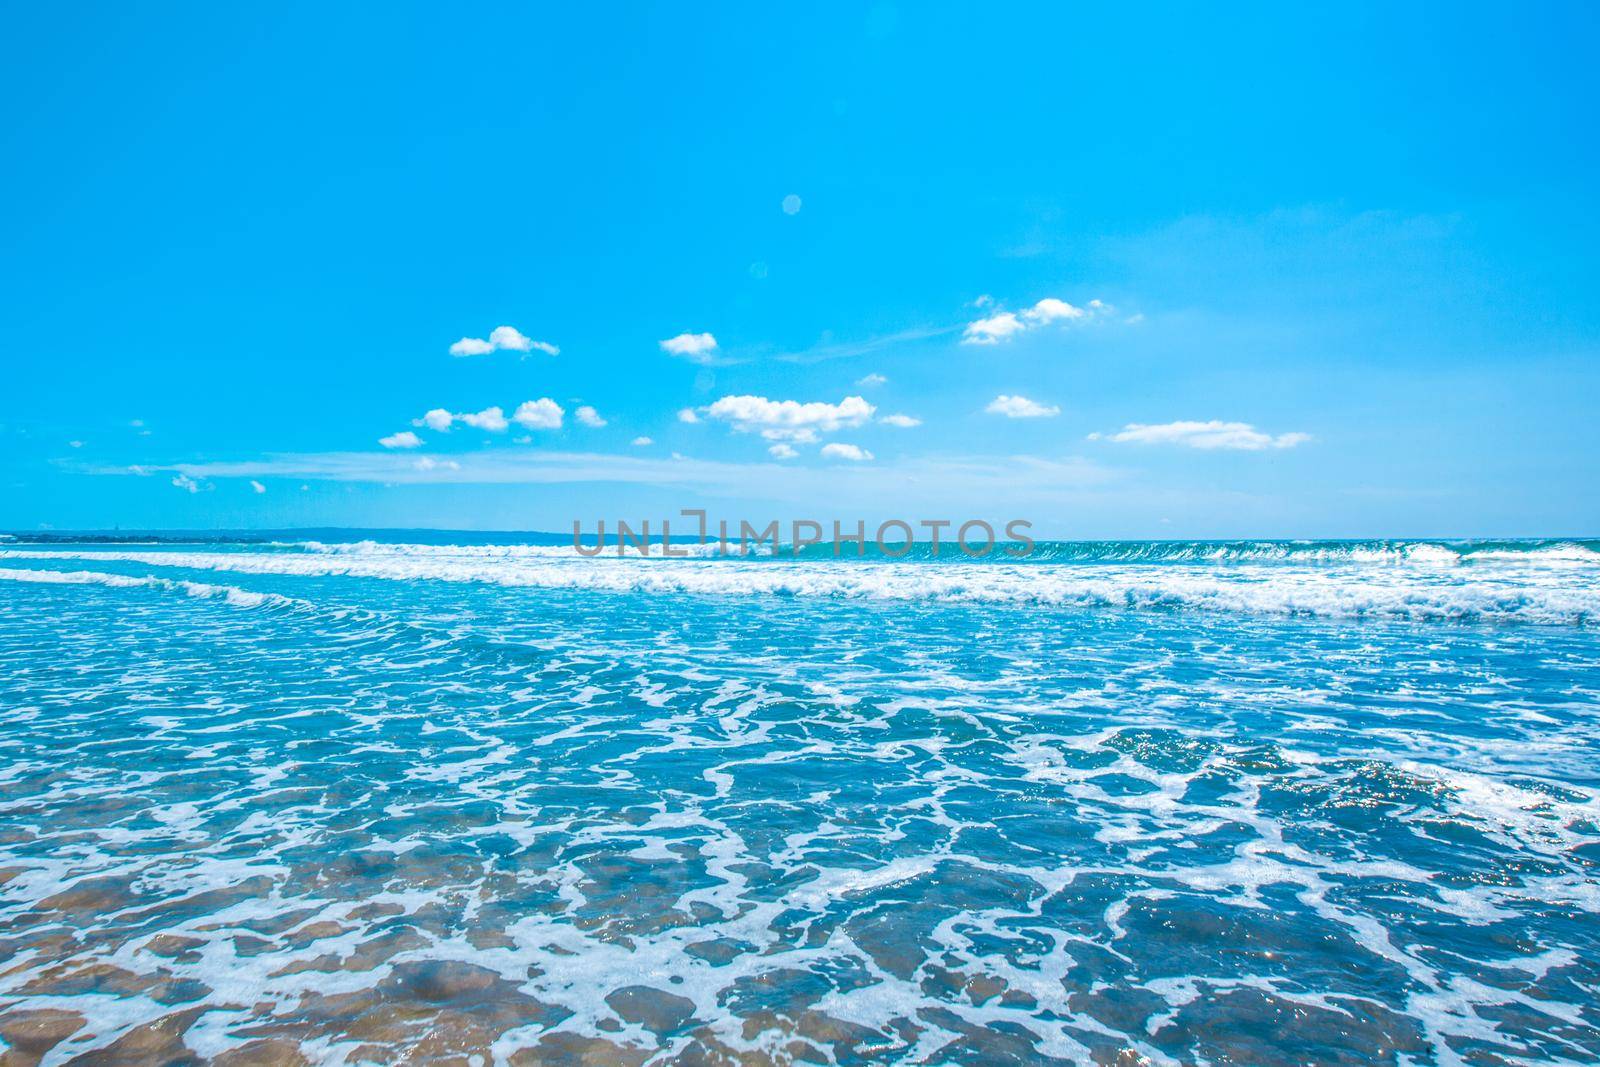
(787, 423)
(1004, 325)
(507, 338)
(1020, 407)
(789, 420)
(903, 422)
(1211, 435)
(871, 380)
(541, 414)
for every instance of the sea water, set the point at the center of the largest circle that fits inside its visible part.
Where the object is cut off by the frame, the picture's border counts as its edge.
(484, 800)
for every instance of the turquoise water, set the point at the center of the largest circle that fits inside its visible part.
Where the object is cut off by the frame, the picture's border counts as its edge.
(492, 802)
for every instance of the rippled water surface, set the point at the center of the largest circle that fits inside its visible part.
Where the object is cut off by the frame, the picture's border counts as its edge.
(369, 803)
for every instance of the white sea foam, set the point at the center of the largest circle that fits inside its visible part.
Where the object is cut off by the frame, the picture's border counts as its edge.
(1061, 848)
(1483, 592)
(241, 598)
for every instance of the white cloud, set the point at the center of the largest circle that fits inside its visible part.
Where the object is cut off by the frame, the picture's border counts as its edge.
(904, 422)
(75, 444)
(992, 330)
(853, 453)
(688, 415)
(781, 451)
(871, 380)
(428, 463)
(791, 204)
(589, 417)
(790, 420)
(507, 338)
(437, 420)
(541, 414)
(472, 346)
(1020, 407)
(257, 486)
(510, 337)
(1004, 325)
(186, 483)
(491, 419)
(403, 439)
(641, 441)
(1214, 434)
(696, 347)
(1052, 310)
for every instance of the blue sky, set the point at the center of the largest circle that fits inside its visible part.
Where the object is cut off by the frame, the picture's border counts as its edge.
(1248, 272)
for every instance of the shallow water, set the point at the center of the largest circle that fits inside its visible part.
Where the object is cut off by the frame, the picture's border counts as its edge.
(495, 803)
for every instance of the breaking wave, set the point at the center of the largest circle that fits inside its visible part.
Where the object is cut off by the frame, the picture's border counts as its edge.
(1546, 583)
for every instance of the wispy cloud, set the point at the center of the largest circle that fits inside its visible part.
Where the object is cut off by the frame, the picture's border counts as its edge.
(507, 338)
(1020, 407)
(830, 349)
(257, 487)
(1213, 434)
(981, 482)
(589, 417)
(903, 422)
(642, 441)
(871, 380)
(782, 451)
(186, 483)
(1004, 325)
(789, 420)
(695, 347)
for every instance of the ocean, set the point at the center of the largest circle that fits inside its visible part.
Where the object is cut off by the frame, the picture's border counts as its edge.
(428, 797)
